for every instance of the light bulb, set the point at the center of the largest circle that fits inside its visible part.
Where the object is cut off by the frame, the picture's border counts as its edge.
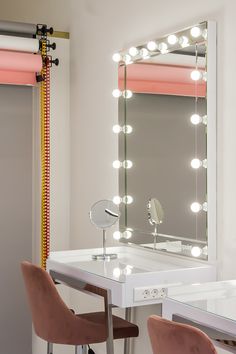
(163, 47)
(116, 129)
(127, 164)
(116, 164)
(195, 119)
(116, 93)
(195, 32)
(196, 207)
(116, 272)
(117, 235)
(205, 206)
(172, 39)
(196, 251)
(117, 200)
(196, 75)
(127, 199)
(127, 59)
(127, 234)
(127, 94)
(128, 270)
(133, 51)
(127, 129)
(183, 41)
(151, 46)
(116, 57)
(144, 53)
(196, 163)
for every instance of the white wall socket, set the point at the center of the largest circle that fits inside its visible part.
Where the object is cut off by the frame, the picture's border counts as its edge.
(149, 293)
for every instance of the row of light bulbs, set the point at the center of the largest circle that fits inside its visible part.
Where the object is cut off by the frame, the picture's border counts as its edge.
(127, 234)
(118, 93)
(126, 129)
(127, 199)
(125, 164)
(162, 47)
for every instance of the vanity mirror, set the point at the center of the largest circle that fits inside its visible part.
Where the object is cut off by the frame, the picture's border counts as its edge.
(167, 141)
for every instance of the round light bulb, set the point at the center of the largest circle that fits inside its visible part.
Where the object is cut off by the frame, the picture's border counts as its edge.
(195, 119)
(163, 47)
(116, 129)
(116, 57)
(127, 164)
(127, 129)
(127, 94)
(117, 235)
(127, 59)
(172, 39)
(117, 200)
(151, 46)
(205, 206)
(127, 234)
(144, 53)
(196, 251)
(195, 32)
(116, 272)
(196, 75)
(196, 163)
(133, 51)
(196, 207)
(116, 93)
(127, 199)
(183, 41)
(116, 164)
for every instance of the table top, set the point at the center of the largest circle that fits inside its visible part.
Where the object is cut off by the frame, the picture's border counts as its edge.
(217, 298)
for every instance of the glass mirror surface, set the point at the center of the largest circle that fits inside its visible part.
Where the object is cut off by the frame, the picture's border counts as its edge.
(163, 142)
(104, 214)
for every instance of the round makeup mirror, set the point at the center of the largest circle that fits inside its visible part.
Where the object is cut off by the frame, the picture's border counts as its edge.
(104, 214)
(155, 216)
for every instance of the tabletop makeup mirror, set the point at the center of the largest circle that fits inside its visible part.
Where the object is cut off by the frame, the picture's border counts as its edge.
(167, 141)
(103, 215)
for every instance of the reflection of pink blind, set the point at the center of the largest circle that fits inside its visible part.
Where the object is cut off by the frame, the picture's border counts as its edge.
(19, 68)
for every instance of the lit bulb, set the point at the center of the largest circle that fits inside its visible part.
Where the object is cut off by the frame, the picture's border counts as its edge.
(133, 51)
(196, 163)
(151, 46)
(127, 129)
(183, 41)
(172, 39)
(127, 59)
(116, 93)
(196, 75)
(117, 200)
(163, 47)
(144, 53)
(117, 164)
(195, 119)
(127, 199)
(117, 235)
(196, 207)
(195, 32)
(116, 57)
(116, 129)
(205, 206)
(127, 234)
(196, 251)
(127, 164)
(128, 270)
(116, 272)
(127, 94)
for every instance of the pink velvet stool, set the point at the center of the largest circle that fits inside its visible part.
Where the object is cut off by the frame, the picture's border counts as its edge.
(169, 337)
(56, 323)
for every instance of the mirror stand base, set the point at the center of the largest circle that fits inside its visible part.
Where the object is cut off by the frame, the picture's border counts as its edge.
(104, 257)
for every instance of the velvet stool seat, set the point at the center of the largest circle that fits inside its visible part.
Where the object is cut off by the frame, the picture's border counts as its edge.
(169, 337)
(55, 323)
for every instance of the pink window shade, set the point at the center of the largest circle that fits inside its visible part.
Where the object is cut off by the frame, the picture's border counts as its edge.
(19, 68)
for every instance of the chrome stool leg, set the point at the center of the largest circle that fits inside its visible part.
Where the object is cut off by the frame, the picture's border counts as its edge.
(49, 348)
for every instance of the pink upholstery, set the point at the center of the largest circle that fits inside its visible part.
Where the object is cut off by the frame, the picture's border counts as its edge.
(55, 323)
(169, 337)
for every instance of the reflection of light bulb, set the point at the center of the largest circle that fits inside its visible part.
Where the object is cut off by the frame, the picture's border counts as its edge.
(196, 75)
(128, 270)
(144, 53)
(183, 41)
(196, 163)
(133, 51)
(127, 129)
(127, 234)
(116, 272)
(172, 39)
(117, 235)
(116, 57)
(127, 164)
(127, 59)
(116, 129)
(127, 199)
(196, 251)
(204, 33)
(195, 119)
(151, 46)
(195, 32)
(163, 47)
(117, 200)
(127, 94)
(196, 207)
(204, 76)
(116, 164)
(116, 93)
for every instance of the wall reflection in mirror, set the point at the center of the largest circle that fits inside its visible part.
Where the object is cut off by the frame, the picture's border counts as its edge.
(162, 165)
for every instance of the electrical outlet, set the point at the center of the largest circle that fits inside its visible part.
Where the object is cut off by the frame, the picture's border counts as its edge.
(149, 293)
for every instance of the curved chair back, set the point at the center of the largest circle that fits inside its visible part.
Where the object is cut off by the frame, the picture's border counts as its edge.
(169, 337)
